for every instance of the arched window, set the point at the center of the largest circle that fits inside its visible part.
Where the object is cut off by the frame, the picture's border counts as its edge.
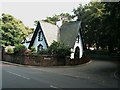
(40, 47)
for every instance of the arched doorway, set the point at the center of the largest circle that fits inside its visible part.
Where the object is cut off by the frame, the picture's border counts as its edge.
(77, 53)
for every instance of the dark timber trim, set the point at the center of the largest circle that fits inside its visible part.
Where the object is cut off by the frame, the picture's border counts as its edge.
(35, 34)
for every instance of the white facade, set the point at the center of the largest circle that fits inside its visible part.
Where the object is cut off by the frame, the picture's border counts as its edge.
(37, 42)
(77, 44)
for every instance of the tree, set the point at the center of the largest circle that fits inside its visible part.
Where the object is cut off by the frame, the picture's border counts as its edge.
(65, 17)
(13, 30)
(100, 22)
(111, 26)
(90, 15)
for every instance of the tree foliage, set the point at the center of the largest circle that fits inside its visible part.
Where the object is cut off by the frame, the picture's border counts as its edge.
(13, 30)
(100, 22)
(65, 17)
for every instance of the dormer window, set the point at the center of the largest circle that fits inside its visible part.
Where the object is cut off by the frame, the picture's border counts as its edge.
(40, 37)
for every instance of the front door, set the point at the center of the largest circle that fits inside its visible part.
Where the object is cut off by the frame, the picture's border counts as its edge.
(77, 53)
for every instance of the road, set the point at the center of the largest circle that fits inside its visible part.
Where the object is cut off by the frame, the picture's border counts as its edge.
(97, 74)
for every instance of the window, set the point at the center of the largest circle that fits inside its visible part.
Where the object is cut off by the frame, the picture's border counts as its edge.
(40, 47)
(78, 38)
(40, 37)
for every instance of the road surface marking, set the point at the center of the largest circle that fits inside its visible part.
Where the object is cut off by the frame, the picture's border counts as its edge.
(18, 75)
(53, 86)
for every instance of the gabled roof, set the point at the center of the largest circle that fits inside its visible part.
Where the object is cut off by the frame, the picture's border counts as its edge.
(34, 35)
(50, 32)
(69, 31)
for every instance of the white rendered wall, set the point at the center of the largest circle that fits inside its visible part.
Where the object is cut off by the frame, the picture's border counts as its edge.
(80, 45)
(26, 44)
(37, 43)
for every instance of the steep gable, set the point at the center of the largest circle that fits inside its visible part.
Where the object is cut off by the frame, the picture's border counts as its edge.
(68, 32)
(49, 31)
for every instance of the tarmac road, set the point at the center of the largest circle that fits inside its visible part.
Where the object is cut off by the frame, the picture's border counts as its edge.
(97, 74)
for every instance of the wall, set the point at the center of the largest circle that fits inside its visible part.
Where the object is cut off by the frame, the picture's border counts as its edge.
(42, 60)
(36, 42)
(80, 45)
(39, 60)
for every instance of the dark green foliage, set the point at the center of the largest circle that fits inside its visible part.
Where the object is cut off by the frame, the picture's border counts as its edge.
(19, 49)
(59, 49)
(56, 48)
(101, 25)
(44, 52)
(33, 50)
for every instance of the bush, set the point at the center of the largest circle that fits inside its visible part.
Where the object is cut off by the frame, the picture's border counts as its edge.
(33, 50)
(59, 49)
(19, 49)
(44, 51)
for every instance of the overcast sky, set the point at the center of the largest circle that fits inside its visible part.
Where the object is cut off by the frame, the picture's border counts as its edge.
(30, 11)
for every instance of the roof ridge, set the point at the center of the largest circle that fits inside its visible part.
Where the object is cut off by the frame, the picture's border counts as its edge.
(47, 22)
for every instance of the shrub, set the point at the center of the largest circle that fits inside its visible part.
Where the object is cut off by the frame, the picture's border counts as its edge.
(56, 48)
(44, 51)
(19, 49)
(59, 49)
(33, 50)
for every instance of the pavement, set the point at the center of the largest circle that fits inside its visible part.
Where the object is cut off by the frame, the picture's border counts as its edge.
(101, 72)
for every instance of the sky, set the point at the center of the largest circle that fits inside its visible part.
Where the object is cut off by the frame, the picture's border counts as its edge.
(29, 11)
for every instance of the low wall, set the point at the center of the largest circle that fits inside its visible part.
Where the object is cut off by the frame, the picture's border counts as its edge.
(39, 60)
(42, 60)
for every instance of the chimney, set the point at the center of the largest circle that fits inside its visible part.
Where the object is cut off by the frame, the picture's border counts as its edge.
(59, 23)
